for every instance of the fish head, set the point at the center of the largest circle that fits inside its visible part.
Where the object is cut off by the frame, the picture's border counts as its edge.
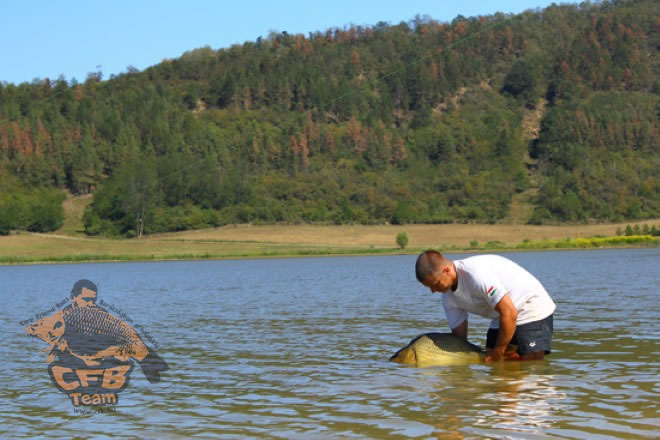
(49, 329)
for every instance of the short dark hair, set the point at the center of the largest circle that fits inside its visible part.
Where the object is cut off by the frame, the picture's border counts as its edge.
(428, 262)
(78, 287)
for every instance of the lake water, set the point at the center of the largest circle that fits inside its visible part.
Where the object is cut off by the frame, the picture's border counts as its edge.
(298, 348)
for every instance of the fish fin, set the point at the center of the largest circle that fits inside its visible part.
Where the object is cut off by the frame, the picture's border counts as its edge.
(152, 365)
(405, 356)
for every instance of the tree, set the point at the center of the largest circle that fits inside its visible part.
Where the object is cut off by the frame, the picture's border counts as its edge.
(5, 221)
(47, 213)
(128, 200)
(404, 213)
(521, 82)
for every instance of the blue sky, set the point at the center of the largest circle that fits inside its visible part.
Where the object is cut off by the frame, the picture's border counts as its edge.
(43, 39)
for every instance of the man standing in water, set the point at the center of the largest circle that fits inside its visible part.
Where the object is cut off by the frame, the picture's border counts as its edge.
(497, 288)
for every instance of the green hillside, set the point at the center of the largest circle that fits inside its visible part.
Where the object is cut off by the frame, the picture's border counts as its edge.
(416, 122)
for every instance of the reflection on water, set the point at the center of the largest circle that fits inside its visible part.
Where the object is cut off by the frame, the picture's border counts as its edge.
(299, 348)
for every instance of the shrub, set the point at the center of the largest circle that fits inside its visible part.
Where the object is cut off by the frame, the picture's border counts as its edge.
(496, 244)
(402, 240)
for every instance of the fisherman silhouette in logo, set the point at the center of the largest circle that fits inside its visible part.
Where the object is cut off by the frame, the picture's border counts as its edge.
(84, 335)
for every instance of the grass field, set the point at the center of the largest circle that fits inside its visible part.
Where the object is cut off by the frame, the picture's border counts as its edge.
(244, 241)
(74, 208)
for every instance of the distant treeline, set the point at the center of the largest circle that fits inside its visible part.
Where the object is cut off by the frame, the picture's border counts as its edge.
(418, 122)
(639, 230)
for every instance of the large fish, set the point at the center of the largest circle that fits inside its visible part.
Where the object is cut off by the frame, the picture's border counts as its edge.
(92, 334)
(92, 331)
(438, 349)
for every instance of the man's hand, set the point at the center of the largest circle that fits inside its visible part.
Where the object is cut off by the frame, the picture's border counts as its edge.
(494, 354)
(499, 354)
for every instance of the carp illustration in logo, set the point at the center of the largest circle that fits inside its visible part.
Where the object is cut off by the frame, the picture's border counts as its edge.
(91, 351)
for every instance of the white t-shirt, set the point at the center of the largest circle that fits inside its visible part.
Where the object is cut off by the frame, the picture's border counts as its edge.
(483, 281)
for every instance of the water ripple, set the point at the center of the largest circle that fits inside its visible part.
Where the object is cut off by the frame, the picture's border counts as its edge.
(299, 348)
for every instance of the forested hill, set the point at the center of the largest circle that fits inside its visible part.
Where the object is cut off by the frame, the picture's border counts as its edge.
(421, 122)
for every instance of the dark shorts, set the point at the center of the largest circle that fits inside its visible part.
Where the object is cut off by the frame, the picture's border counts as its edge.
(530, 338)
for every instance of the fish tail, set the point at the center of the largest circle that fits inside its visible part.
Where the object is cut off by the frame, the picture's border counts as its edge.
(152, 366)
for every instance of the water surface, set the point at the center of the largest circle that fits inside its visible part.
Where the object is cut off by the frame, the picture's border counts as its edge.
(291, 348)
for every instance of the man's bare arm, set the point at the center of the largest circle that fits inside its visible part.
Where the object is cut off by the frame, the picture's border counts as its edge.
(508, 316)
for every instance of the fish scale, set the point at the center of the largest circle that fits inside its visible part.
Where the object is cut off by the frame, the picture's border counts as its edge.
(438, 349)
(92, 321)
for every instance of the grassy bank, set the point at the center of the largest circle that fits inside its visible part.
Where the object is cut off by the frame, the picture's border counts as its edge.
(309, 240)
(593, 242)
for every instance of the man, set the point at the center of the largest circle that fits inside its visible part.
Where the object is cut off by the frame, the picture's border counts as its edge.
(83, 294)
(497, 288)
